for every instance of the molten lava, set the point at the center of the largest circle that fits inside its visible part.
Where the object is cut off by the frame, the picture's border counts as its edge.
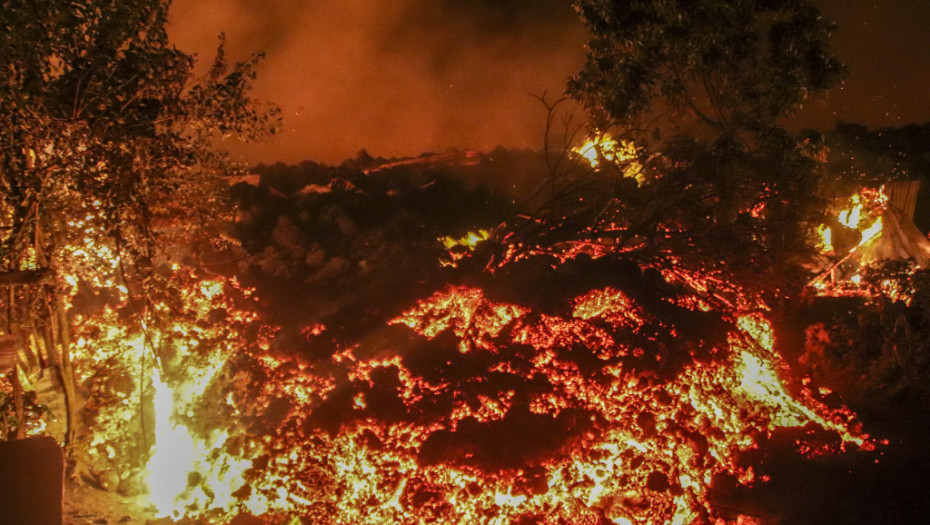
(557, 418)
(618, 404)
(474, 410)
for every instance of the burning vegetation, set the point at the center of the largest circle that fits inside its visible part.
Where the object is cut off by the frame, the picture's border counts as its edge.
(613, 335)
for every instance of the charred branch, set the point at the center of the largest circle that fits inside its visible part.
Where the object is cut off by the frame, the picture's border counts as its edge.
(24, 277)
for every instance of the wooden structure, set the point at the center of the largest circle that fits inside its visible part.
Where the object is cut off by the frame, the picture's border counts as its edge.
(900, 238)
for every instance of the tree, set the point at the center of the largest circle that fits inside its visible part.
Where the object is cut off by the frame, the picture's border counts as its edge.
(707, 68)
(107, 160)
(701, 88)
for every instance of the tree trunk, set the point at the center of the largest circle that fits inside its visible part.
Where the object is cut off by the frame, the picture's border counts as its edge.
(74, 403)
(18, 404)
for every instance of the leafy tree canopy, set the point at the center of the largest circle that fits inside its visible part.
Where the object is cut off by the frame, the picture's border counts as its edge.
(706, 68)
(105, 129)
(700, 87)
(107, 160)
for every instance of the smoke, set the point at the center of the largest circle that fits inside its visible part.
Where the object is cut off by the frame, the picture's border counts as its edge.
(395, 78)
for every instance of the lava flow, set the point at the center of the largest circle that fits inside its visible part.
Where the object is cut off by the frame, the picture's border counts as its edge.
(621, 400)
(621, 405)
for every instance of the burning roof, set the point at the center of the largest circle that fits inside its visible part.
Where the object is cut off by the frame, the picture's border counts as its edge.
(876, 227)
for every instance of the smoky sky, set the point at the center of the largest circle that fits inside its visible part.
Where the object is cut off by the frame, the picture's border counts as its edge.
(886, 45)
(404, 77)
(397, 78)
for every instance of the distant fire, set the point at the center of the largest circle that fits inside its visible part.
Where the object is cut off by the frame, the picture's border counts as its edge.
(860, 223)
(859, 208)
(458, 247)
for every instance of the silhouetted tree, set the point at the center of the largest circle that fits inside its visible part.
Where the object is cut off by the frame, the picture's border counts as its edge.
(701, 87)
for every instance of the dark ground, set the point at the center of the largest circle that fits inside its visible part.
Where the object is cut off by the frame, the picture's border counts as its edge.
(888, 485)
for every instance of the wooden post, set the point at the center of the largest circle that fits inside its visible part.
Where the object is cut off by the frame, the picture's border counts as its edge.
(8, 368)
(18, 404)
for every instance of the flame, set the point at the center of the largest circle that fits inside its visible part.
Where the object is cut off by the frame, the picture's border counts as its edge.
(589, 150)
(873, 231)
(469, 241)
(825, 234)
(603, 149)
(178, 455)
(173, 457)
(850, 217)
(458, 248)
(867, 204)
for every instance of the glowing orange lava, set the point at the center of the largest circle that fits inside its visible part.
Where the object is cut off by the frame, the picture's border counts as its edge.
(608, 408)
(622, 439)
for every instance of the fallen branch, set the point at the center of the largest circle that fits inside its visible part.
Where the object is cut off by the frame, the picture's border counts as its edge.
(22, 277)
